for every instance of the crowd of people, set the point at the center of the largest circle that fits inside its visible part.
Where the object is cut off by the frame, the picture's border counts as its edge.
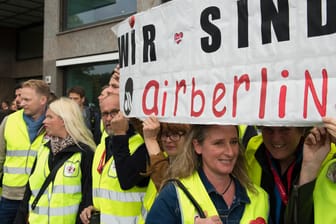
(61, 162)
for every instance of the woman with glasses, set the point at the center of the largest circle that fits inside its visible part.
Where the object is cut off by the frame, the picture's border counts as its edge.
(211, 167)
(163, 141)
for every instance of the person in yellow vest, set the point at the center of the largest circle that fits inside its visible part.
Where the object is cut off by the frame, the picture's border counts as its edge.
(313, 198)
(274, 163)
(118, 186)
(68, 154)
(211, 166)
(162, 142)
(21, 135)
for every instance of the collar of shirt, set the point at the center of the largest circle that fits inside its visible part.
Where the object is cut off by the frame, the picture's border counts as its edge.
(240, 194)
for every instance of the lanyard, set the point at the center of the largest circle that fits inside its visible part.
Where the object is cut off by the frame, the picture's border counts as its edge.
(278, 182)
(101, 162)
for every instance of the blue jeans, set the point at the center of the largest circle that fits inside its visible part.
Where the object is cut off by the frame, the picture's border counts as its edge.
(8, 210)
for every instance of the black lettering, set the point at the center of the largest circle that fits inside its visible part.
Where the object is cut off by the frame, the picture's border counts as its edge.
(314, 12)
(123, 50)
(149, 46)
(211, 29)
(133, 46)
(242, 23)
(279, 18)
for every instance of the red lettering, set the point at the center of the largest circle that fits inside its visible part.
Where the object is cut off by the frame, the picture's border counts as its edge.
(237, 82)
(321, 107)
(179, 86)
(164, 100)
(154, 110)
(194, 94)
(263, 92)
(216, 98)
(282, 97)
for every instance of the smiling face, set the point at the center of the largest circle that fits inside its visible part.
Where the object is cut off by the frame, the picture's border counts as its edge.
(54, 125)
(282, 142)
(219, 150)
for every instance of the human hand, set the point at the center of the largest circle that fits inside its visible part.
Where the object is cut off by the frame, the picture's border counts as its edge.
(85, 215)
(119, 124)
(315, 149)
(330, 125)
(114, 81)
(151, 128)
(208, 220)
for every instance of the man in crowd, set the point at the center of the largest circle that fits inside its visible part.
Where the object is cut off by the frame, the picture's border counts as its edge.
(21, 135)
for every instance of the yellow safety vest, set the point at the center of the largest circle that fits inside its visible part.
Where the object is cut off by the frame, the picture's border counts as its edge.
(324, 195)
(115, 204)
(148, 201)
(20, 153)
(257, 208)
(59, 203)
(254, 168)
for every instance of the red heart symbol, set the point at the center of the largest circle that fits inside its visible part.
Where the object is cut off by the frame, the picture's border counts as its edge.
(258, 220)
(131, 21)
(178, 37)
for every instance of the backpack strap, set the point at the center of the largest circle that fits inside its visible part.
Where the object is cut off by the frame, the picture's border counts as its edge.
(49, 178)
(179, 184)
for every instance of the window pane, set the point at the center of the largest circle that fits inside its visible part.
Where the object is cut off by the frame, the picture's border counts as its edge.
(92, 77)
(30, 43)
(81, 12)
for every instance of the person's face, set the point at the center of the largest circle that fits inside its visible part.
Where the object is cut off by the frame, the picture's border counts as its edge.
(18, 97)
(33, 103)
(4, 106)
(77, 98)
(219, 150)
(171, 140)
(54, 125)
(109, 107)
(281, 142)
(13, 106)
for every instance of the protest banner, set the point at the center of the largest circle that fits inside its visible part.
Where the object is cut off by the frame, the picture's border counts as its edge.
(230, 62)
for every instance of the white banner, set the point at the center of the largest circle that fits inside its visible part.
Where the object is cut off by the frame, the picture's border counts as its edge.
(230, 62)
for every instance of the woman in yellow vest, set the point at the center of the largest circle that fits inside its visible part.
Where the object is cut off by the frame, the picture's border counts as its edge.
(69, 147)
(211, 166)
(313, 198)
(162, 141)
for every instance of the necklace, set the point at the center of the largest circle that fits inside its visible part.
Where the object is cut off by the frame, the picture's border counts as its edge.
(227, 187)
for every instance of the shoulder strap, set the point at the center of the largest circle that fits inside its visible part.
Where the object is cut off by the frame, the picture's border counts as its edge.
(49, 178)
(188, 194)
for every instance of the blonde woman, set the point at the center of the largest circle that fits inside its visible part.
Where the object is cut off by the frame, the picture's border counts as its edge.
(211, 166)
(68, 149)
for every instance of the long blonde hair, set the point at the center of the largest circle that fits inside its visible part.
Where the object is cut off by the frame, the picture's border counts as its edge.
(73, 119)
(188, 161)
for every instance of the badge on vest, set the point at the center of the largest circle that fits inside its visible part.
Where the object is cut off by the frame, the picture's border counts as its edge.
(331, 173)
(71, 169)
(112, 170)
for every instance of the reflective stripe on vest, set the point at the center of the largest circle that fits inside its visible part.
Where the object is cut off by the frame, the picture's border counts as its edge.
(253, 167)
(20, 153)
(149, 199)
(259, 206)
(325, 191)
(114, 203)
(60, 201)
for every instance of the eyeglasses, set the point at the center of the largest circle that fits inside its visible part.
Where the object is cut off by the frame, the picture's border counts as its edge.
(112, 113)
(172, 136)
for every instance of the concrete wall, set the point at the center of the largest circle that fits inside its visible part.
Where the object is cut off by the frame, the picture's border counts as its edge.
(10, 69)
(95, 39)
